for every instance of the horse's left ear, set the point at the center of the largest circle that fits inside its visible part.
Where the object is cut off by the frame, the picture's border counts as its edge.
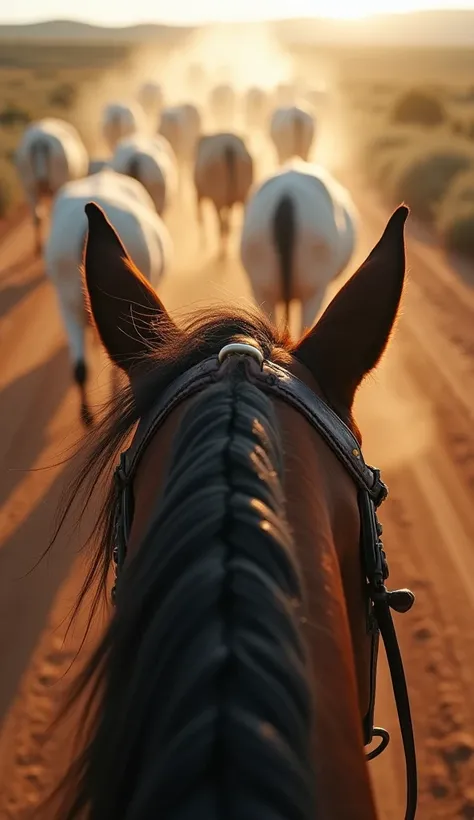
(126, 310)
(353, 332)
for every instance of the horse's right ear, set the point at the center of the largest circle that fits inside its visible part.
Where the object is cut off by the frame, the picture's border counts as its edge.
(352, 333)
(127, 312)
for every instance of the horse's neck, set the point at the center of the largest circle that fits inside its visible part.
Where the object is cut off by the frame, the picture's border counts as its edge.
(337, 737)
(343, 787)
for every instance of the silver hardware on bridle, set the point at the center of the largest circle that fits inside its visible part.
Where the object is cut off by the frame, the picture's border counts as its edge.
(242, 349)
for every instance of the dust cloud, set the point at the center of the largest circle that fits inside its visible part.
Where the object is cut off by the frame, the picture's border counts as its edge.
(239, 55)
(398, 418)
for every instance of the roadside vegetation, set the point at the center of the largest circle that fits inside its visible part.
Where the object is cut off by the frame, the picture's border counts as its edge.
(419, 147)
(44, 81)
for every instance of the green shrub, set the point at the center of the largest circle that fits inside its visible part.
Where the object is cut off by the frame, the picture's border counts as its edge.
(419, 107)
(459, 192)
(425, 172)
(456, 229)
(12, 115)
(63, 96)
(455, 215)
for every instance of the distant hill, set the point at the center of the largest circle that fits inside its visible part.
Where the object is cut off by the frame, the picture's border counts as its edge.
(425, 28)
(72, 30)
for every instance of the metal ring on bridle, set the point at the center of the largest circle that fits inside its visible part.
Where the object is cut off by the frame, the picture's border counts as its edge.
(241, 348)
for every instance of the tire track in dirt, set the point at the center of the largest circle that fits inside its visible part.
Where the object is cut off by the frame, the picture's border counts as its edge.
(429, 528)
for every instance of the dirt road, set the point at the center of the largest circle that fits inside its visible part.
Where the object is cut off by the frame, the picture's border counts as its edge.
(418, 427)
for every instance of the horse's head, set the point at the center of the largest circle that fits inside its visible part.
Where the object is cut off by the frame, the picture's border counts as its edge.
(308, 388)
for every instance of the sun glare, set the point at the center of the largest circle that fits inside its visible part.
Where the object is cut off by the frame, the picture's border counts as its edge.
(190, 12)
(248, 10)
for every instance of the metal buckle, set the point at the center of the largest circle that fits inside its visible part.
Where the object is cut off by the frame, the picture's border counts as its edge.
(242, 349)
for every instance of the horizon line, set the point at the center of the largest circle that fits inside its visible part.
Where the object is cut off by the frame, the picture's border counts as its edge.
(238, 21)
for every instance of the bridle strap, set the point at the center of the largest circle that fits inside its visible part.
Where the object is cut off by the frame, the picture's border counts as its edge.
(381, 602)
(282, 384)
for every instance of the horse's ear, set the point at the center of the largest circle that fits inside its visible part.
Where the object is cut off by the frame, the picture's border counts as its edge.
(127, 312)
(353, 332)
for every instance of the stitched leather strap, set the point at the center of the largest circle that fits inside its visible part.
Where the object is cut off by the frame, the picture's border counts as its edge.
(282, 384)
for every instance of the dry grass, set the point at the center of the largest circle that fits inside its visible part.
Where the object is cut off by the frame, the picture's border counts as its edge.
(421, 107)
(427, 160)
(461, 191)
(456, 229)
(424, 172)
(455, 215)
(39, 81)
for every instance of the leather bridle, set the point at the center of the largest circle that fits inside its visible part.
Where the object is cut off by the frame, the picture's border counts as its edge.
(281, 384)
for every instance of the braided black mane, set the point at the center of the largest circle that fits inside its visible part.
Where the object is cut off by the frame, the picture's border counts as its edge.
(204, 708)
(198, 698)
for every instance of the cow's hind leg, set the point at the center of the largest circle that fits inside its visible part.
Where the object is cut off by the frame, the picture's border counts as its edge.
(200, 219)
(36, 211)
(224, 231)
(71, 305)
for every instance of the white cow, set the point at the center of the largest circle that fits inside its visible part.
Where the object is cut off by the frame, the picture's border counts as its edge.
(181, 126)
(222, 102)
(223, 173)
(151, 98)
(131, 211)
(121, 120)
(298, 235)
(292, 132)
(148, 159)
(50, 153)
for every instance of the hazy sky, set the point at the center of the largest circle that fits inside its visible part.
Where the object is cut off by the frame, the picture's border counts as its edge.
(118, 12)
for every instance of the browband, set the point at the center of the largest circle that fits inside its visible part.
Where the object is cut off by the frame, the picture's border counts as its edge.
(282, 384)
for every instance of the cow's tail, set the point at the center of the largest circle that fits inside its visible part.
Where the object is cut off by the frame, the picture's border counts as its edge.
(298, 129)
(41, 162)
(230, 160)
(284, 233)
(134, 167)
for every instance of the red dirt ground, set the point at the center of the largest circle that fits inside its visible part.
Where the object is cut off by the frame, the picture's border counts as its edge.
(417, 415)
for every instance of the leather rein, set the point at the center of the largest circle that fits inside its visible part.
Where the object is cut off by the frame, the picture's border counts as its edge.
(280, 383)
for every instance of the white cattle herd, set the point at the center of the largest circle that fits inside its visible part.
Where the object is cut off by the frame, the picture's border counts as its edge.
(299, 223)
